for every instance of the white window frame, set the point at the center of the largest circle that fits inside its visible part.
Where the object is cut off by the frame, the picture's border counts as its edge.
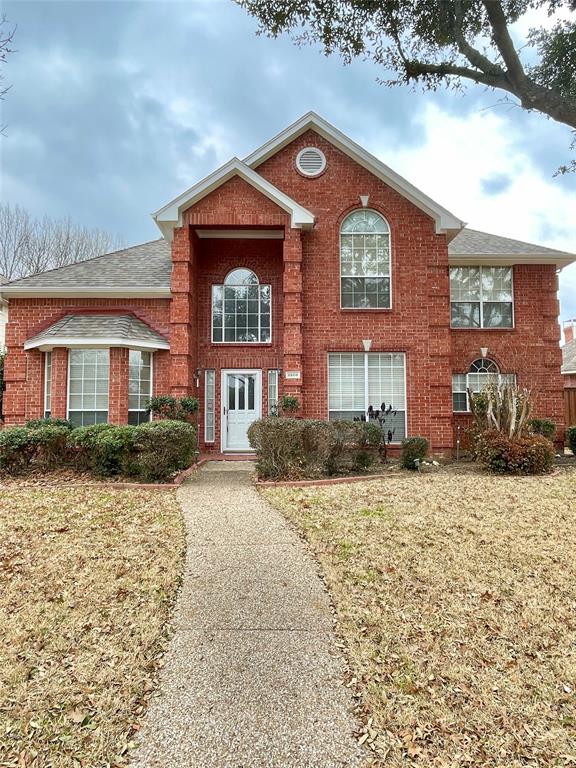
(273, 384)
(481, 267)
(210, 373)
(47, 384)
(139, 410)
(366, 385)
(389, 276)
(503, 378)
(85, 410)
(222, 287)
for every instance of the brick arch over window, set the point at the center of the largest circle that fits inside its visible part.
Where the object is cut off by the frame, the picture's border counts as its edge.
(365, 261)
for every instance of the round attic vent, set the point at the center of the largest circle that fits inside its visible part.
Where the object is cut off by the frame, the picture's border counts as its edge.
(310, 161)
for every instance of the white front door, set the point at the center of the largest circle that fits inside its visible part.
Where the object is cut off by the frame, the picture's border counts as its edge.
(241, 405)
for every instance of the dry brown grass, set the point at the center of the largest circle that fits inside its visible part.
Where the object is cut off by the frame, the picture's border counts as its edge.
(456, 598)
(87, 580)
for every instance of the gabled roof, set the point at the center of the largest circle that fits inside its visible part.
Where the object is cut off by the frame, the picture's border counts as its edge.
(569, 357)
(142, 270)
(170, 215)
(445, 221)
(472, 246)
(96, 331)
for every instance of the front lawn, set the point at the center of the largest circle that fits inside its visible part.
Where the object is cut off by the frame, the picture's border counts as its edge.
(456, 599)
(87, 580)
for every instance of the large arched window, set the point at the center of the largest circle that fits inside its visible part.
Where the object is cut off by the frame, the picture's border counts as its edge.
(365, 261)
(482, 372)
(241, 309)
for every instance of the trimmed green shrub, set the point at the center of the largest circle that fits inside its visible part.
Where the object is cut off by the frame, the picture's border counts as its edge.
(545, 427)
(112, 450)
(161, 448)
(171, 408)
(527, 455)
(571, 437)
(49, 422)
(82, 443)
(17, 448)
(295, 448)
(413, 448)
(51, 441)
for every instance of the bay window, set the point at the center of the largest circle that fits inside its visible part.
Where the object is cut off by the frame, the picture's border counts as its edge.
(369, 385)
(139, 386)
(365, 261)
(88, 374)
(241, 310)
(482, 372)
(481, 297)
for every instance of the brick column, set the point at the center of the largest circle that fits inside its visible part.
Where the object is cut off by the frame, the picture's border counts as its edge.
(183, 341)
(35, 379)
(292, 313)
(118, 386)
(441, 432)
(59, 390)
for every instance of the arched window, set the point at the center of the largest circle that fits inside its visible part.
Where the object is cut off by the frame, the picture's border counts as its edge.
(482, 372)
(365, 261)
(241, 309)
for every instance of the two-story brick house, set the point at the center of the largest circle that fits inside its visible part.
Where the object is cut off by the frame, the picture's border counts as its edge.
(308, 268)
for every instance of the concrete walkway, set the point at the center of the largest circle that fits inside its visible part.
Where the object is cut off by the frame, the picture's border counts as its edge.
(252, 676)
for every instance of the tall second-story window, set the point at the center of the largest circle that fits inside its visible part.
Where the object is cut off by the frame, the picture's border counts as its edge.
(481, 297)
(241, 309)
(365, 261)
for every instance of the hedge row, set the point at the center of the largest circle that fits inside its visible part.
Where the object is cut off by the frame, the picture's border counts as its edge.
(306, 448)
(151, 452)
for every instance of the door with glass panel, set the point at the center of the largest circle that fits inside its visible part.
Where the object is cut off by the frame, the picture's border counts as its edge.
(241, 405)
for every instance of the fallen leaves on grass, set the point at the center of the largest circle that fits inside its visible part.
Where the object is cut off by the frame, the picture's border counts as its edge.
(456, 598)
(87, 580)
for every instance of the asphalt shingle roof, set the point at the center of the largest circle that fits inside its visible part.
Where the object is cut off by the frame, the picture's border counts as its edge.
(141, 266)
(471, 242)
(569, 357)
(125, 327)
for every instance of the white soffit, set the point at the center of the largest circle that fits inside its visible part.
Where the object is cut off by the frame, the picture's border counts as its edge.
(445, 221)
(170, 216)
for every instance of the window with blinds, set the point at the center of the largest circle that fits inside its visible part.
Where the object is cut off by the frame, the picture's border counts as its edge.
(369, 385)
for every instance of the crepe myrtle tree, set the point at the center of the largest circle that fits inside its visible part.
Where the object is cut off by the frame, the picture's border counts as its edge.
(444, 42)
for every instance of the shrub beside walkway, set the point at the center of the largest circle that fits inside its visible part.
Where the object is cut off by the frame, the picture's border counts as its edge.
(252, 676)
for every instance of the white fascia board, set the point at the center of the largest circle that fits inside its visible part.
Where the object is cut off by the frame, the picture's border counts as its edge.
(509, 259)
(170, 216)
(26, 292)
(446, 222)
(83, 342)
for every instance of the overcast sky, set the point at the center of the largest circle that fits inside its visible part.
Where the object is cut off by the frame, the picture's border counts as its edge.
(116, 107)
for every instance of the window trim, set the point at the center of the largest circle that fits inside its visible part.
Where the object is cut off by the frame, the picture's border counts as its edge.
(213, 385)
(482, 327)
(47, 384)
(365, 309)
(273, 373)
(475, 373)
(139, 410)
(77, 410)
(223, 285)
(366, 383)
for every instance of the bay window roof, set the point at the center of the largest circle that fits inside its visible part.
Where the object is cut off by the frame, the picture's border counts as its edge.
(98, 331)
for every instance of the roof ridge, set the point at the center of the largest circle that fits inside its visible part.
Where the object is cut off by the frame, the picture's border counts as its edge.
(84, 261)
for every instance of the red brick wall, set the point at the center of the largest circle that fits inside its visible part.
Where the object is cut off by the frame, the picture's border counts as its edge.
(24, 396)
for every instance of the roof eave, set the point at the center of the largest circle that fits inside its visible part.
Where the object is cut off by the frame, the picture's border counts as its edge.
(25, 292)
(509, 259)
(170, 216)
(446, 222)
(91, 342)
